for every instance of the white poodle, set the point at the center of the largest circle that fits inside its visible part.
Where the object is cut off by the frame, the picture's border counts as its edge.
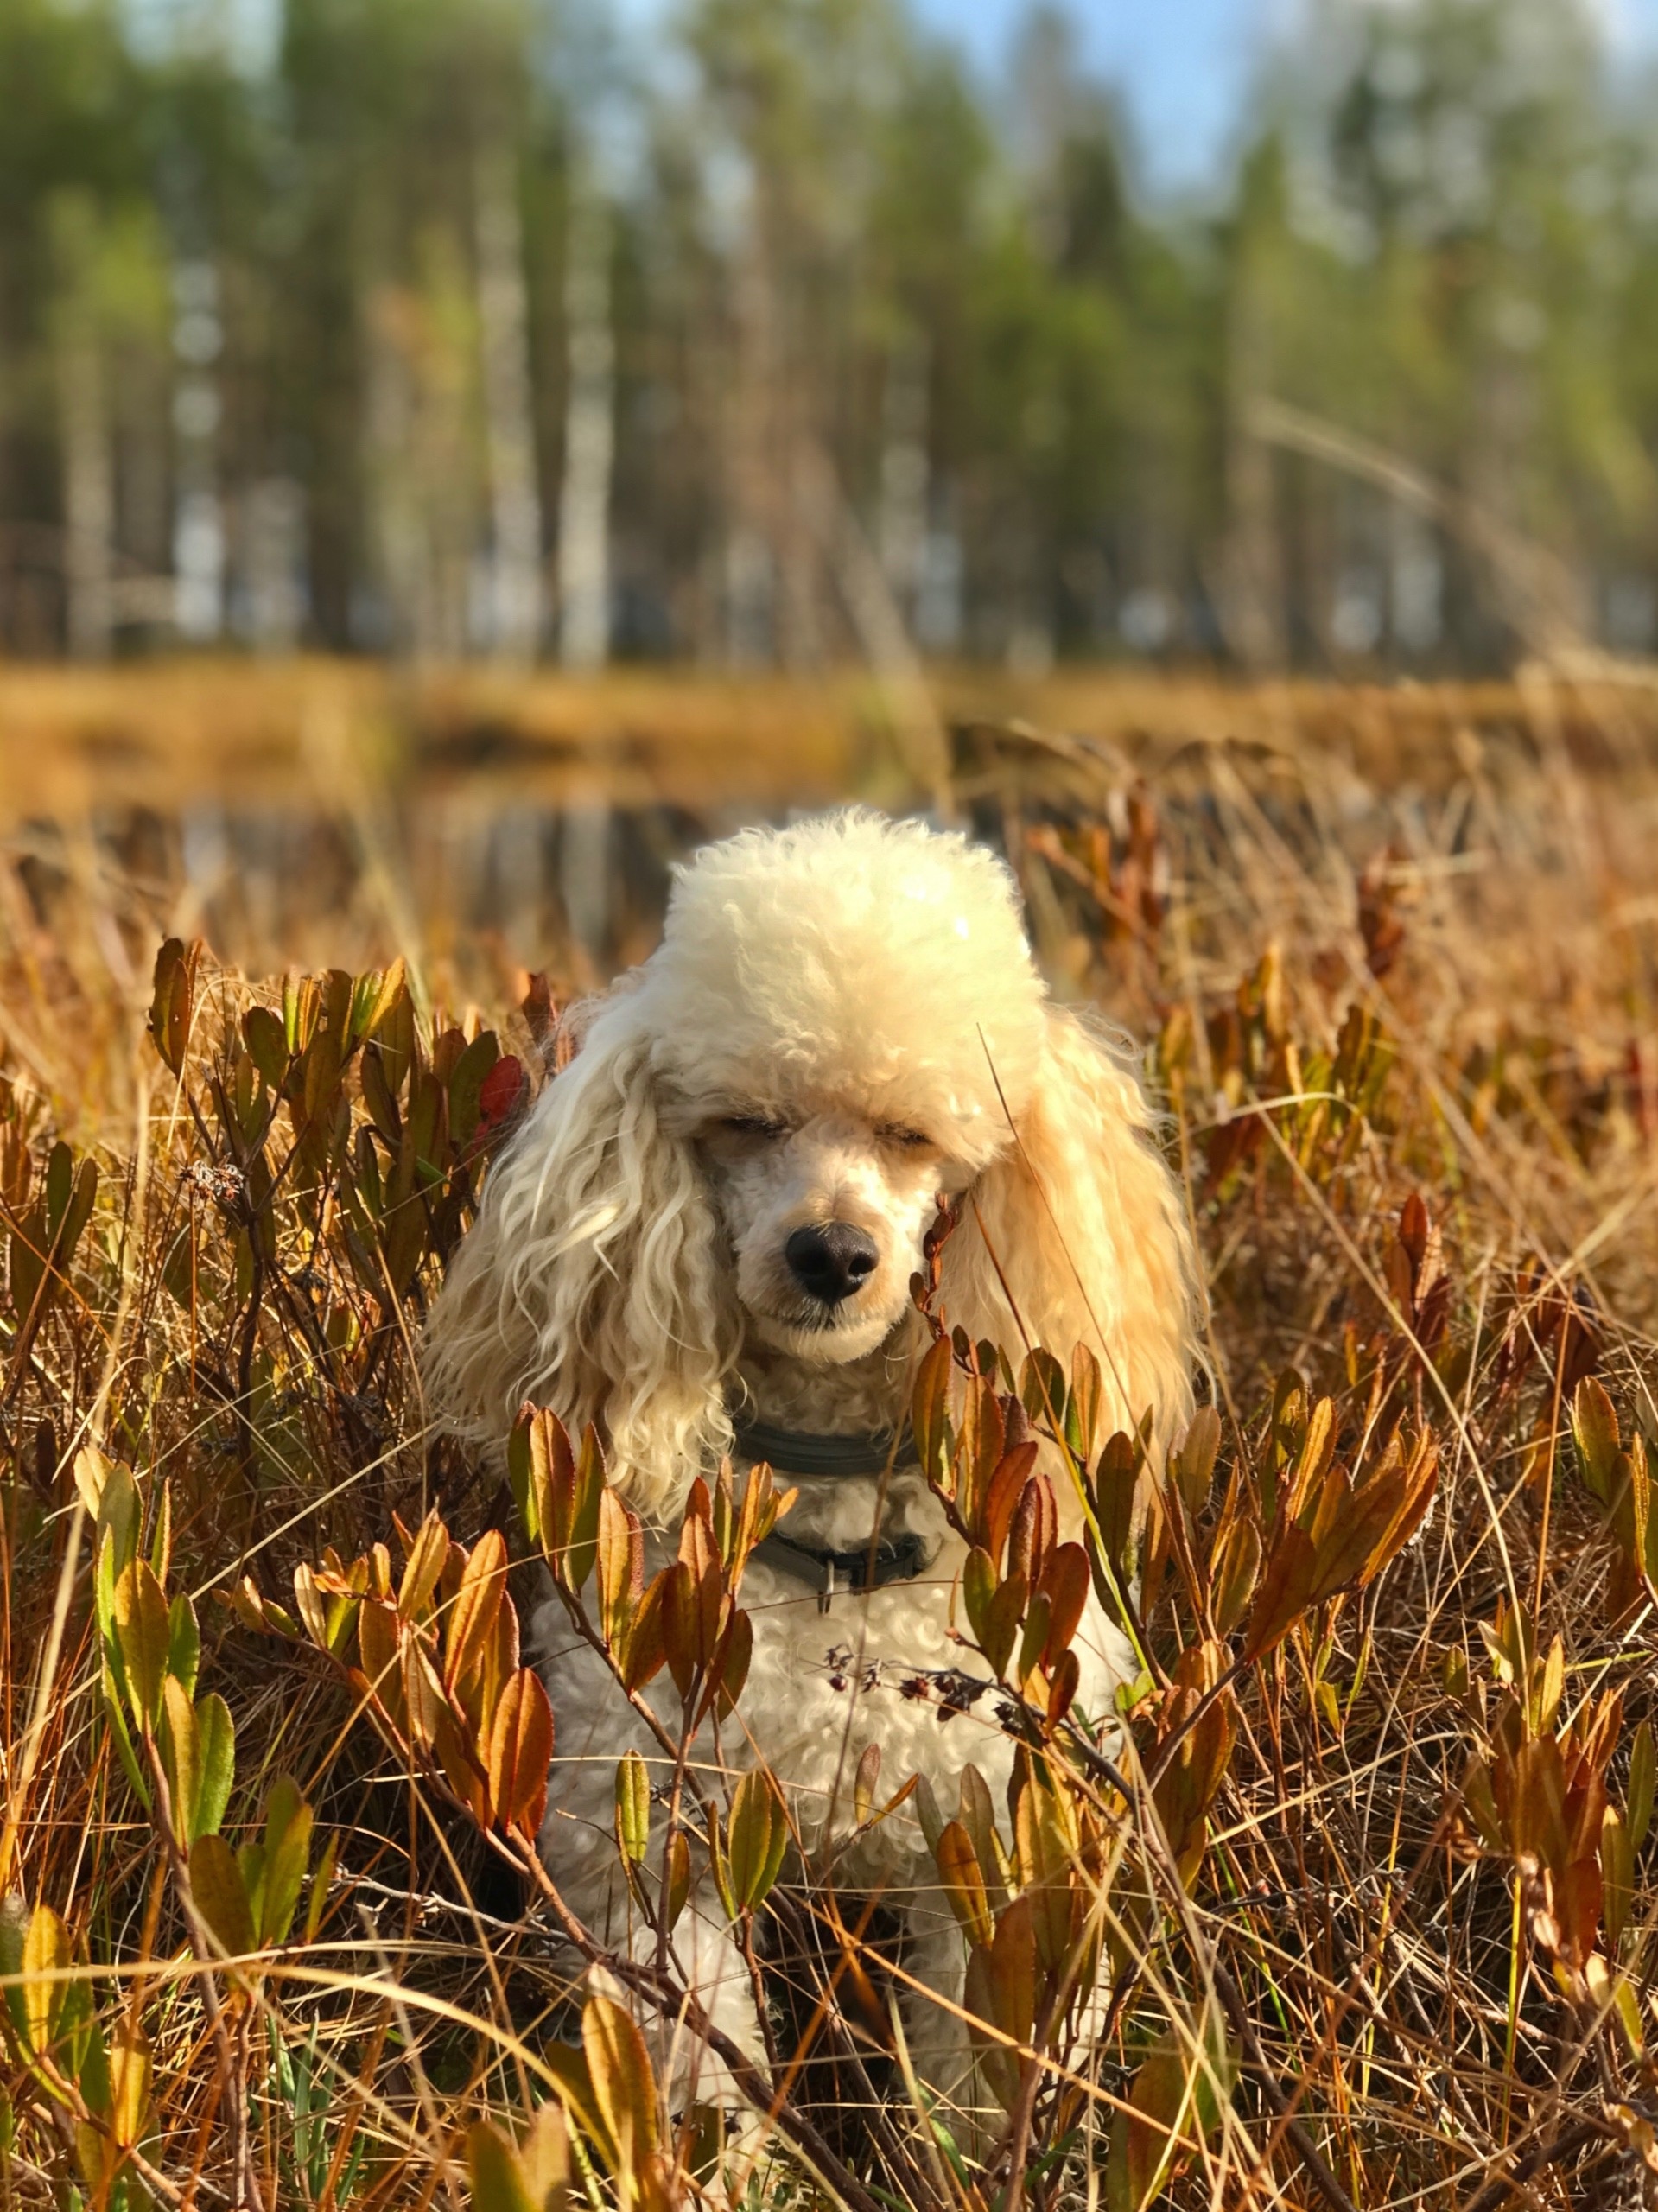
(703, 1240)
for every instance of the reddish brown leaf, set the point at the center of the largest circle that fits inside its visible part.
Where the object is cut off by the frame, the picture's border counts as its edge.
(472, 1618)
(929, 1411)
(521, 1753)
(1006, 1487)
(644, 1650)
(621, 1565)
(426, 1555)
(1065, 1581)
(1285, 1592)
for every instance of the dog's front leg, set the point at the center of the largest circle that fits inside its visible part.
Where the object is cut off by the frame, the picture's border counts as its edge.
(935, 2026)
(703, 1960)
(596, 1728)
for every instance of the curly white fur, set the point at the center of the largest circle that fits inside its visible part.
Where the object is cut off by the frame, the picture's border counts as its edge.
(842, 1021)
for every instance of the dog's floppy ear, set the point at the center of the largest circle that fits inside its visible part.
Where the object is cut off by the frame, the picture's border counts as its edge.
(590, 1282)
(1083, 1226)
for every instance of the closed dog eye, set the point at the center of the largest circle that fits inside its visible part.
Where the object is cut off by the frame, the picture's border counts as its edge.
(754, 1125)
(895, 1133)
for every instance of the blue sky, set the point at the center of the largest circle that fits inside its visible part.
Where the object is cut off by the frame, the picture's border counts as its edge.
(1183, 66)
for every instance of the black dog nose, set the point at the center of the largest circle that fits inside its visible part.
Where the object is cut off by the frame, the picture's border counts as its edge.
(832, 1261)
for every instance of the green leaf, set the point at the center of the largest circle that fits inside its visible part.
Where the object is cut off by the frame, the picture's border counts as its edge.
(624, 2087)
(498, 2181)
(1193, 1465)
(533, 2176)
(116, 1716)
(143, 1636)
(720, 1868)
(322, 1881)
(13, 1923)
(676, 1884)
(1595, 1436)
(757, 1837)
(1643, 1768)
(111, 1495)
(467, 1082)
(176, 1741)
(978, 1590)
(59, 1181)
(78, 1212)
(262, 1031)
(963, 1882)
(285, 1850)
(527, 1450)
(130, 2068)
(1082, 1406)
(48, 1958)
(1233, 1574)
(1002, 1618)
(172, 1000)
(184, 1644)
(927, 1812)
(1617, 1877)
(426, 1555)
(633, 1808)
(221, 1892)
(215, 1765)
(1042, 1386)
(621, 1554)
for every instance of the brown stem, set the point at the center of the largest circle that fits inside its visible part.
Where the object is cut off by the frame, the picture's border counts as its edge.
(1490, 2194)
(1025, 2110)
(1261, 2067)
(244, 1361)
(591, 1637)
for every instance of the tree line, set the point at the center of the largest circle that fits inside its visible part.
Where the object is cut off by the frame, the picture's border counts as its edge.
(447, 328)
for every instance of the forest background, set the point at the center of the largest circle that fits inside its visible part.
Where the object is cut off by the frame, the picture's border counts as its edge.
(774, 336)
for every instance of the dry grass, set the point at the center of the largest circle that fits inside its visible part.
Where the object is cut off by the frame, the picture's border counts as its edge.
(306, 733)
(1362, 988)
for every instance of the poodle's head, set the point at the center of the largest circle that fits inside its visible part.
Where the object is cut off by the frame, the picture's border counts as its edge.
(842, 1024)
(844, 1018)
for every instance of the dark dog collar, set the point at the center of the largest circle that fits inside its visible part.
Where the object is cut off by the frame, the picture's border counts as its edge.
(792, 1452)
(869, 1567)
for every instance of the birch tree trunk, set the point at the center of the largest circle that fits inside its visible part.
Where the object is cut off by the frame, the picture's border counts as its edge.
(1252, 603)
(504, 326)
(1253, 593)
(85, 429)
(589, 440)
(389, 423)
(88, 490)
(901, 526)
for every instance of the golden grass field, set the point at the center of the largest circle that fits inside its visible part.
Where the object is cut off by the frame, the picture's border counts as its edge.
(1366, 1885)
